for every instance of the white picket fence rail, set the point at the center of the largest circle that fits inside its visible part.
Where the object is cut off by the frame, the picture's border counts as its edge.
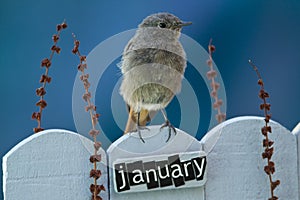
(54, 164)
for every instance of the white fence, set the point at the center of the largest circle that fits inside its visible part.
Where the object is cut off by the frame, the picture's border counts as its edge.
(54, 164)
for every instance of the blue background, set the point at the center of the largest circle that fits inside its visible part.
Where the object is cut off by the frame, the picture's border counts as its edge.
(265, 31)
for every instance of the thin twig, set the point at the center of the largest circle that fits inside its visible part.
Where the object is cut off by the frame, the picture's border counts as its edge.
(267, 143)
(45, 78)
(211, 74)
(91, 108)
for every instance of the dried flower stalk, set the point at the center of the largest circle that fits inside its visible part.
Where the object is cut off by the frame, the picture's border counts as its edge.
(211, 74)
(45, 78)
(91, 108)
(267, 143)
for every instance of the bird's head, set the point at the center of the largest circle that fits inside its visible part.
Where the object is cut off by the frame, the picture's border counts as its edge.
(163, 21)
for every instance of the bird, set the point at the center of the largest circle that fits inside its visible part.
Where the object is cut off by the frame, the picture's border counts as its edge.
(152, 66)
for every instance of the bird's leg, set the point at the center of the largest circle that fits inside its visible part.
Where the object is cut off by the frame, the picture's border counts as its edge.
(167, 124)
(139, 128)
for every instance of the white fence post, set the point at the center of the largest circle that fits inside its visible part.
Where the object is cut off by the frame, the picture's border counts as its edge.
(235, 164)
(296, 132)
(51, 165)
(130, 147)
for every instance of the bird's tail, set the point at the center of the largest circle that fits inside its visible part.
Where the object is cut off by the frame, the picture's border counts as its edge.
(133, 117)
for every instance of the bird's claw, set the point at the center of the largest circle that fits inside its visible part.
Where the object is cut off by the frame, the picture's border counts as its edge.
(170, 126)
(138, 129)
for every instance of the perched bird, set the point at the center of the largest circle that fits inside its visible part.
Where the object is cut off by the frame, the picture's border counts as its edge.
(153, 64)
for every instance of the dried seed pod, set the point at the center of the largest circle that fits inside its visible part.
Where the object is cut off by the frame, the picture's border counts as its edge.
(42, 103)
(86, 83)
(276, 183)
(217, 103)
(266, 106)
(46, 63)
(101, 187)
(82, 58)
(211, 74)
(96, 189)
(94, 132)
(211, 48)
(55, 38)
(221, 117)
(92, 188)
(37, 129)
(81, 67)
(97, 145)
(213, 93)
(86, 96)
(95, 158)
(215, 86)
(268, 153)
(90, 107)
(269, 129)
(40, 91)
(94, 173)
(75, 50)
(96, 198)
(270, 168)
(267, 118)
(45, 78)
(265, 130)
(209, 62)
(84, 77)
(94, 120)
(267, 143)
(260, 82)
(263, 94)
(96, 115)
(36, 115)
(55, 49)
(267, 170)
(76, 43)
(58, 27)
(64, 25)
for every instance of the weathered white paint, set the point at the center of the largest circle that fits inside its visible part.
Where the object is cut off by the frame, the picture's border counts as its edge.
(130, 146)
(235, 165)
(54, 164)
(50, 165)
(296, 132)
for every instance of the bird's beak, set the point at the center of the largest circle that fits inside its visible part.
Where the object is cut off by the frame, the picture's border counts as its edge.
(184, 24)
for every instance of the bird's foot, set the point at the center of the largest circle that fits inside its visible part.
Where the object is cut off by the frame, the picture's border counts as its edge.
(170, 126)
(139, 129)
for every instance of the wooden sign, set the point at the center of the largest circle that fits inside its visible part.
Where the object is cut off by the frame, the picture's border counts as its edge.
(181, 170)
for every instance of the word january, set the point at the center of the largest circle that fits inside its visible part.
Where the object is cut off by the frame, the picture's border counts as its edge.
(158, 174)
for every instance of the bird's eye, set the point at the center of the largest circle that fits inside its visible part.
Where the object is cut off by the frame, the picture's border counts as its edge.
(162, 25)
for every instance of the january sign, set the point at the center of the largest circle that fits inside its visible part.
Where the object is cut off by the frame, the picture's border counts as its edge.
(181, 170)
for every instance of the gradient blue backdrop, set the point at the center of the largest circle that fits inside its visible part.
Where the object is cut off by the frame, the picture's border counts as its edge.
(265, 31)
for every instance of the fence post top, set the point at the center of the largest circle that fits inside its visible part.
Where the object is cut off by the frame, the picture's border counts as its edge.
(47, 133)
